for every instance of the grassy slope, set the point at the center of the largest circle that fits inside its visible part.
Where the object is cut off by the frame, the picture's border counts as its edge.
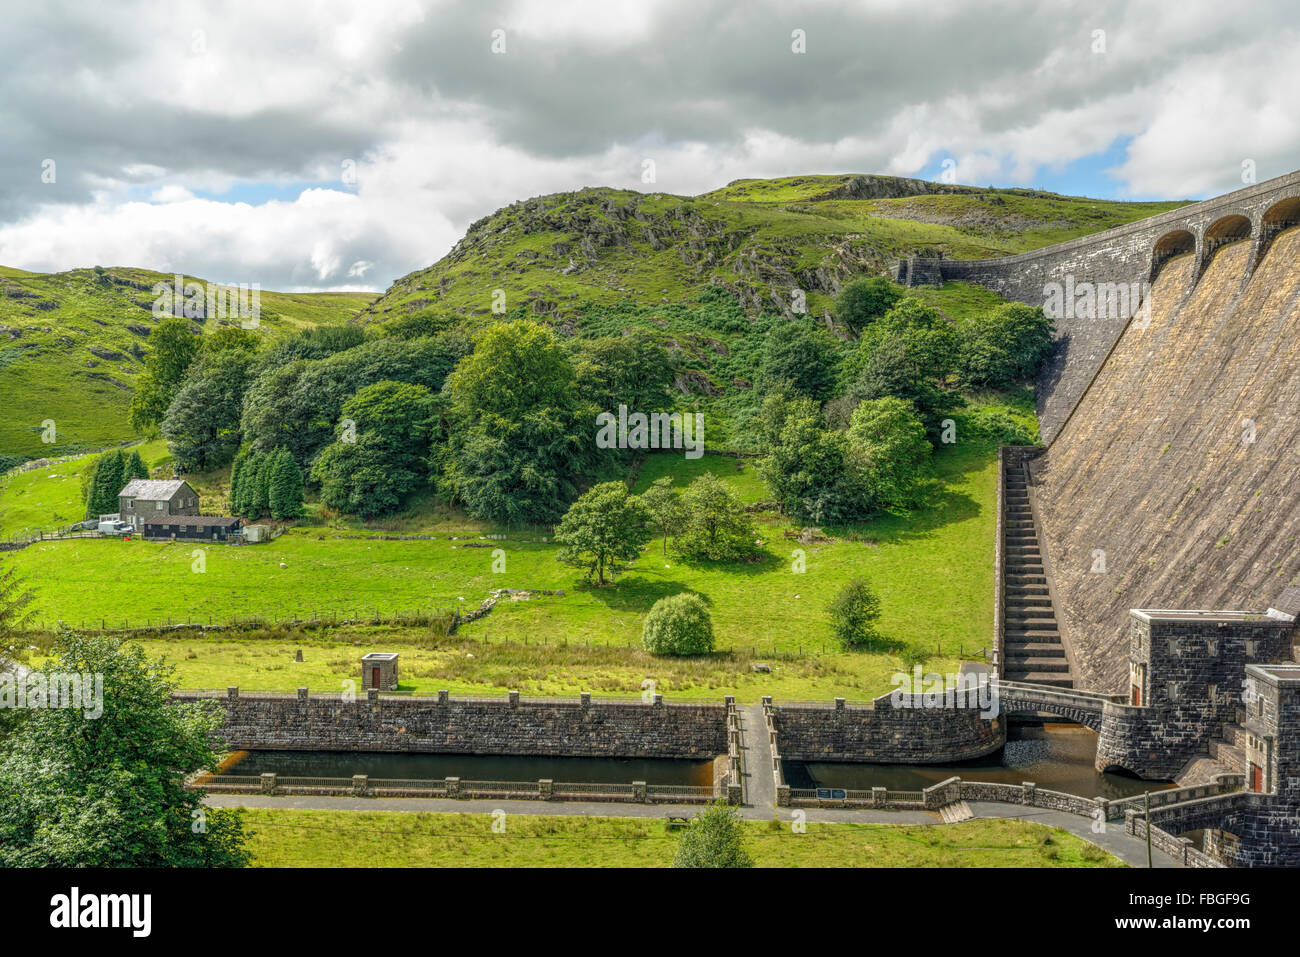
(932, 569)
(755, 236)
(49, 498)
(48, 324)
(299, 838)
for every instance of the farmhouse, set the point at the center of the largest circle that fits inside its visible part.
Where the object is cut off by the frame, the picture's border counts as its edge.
(152, 500)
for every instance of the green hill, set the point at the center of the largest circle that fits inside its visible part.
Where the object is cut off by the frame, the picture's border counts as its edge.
(71, 345)
(758, 238)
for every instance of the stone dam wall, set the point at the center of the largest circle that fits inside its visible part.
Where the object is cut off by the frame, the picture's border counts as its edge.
(881, 732)
(1174, 484)
(446, 725)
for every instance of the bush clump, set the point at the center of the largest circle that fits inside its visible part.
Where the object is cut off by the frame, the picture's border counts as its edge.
(678, 625)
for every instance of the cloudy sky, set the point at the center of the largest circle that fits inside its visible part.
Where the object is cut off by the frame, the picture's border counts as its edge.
(339, 145)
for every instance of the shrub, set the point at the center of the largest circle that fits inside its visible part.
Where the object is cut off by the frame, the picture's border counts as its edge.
(854, 612)
(714, 839)
(892, 454)
(716, 525)
(802, 357)
(678, 625)
(1004, 346)
(865, 300)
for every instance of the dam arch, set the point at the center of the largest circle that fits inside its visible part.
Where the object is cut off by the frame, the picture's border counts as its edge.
(1226, 229)
(1283, 214)
(1171, 244)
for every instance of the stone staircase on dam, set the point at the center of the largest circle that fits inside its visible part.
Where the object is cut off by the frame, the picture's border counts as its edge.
(1227, 755)
(1031, 639)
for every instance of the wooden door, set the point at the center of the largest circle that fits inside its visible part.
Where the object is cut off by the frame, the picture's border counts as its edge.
(1256, 778)
(374, 677)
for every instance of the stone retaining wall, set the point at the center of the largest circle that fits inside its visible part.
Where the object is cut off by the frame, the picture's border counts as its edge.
(446, 725)
(882, 733)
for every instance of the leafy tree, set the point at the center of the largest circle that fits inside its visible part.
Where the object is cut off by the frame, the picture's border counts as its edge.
(107, 479)
(202, 423)
(604, 527)
(678, 625)
(134, 467)
(520, 442)
(632, 369)
(714, 839)
(716, 526)
(360, 477)
(802, 357)
(853, 613)
(257, 497)
(109, 791)
(908, 353)
(172, 347)
(863, 301)
(15, 597)
(808, 467)
(316, 342)
(298, 405)
(372, 472)
(664, 506)
(1004, 346)
(284, 485)
(889, 444)
(241, 476)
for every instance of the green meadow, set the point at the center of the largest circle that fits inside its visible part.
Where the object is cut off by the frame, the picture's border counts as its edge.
(932, 569)
(302, 838)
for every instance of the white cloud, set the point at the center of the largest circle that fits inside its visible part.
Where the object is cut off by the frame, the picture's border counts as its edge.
(170, 102)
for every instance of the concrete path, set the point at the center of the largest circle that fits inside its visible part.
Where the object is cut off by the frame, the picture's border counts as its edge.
(1124, 846)
(760, 782)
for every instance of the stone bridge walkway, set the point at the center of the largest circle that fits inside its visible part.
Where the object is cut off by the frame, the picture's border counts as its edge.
(760, 782)
(1124, 846)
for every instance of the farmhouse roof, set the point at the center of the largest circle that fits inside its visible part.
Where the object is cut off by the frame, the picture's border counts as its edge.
(179, 520)
(152, 489)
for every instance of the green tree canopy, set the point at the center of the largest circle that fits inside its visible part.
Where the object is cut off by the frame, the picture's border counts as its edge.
(1004, 346)
(521, 442)
(807, 465)
(381, 452)
(172, 346)
(78, 790)
(909, 353)
(853, 613)
(604, 528)
(108, 476)
(716, 524)
(664, 507)
(890, 449)
(201, 425)
(284, 485)
(632, 369)
(863, 301)
(801, 357)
